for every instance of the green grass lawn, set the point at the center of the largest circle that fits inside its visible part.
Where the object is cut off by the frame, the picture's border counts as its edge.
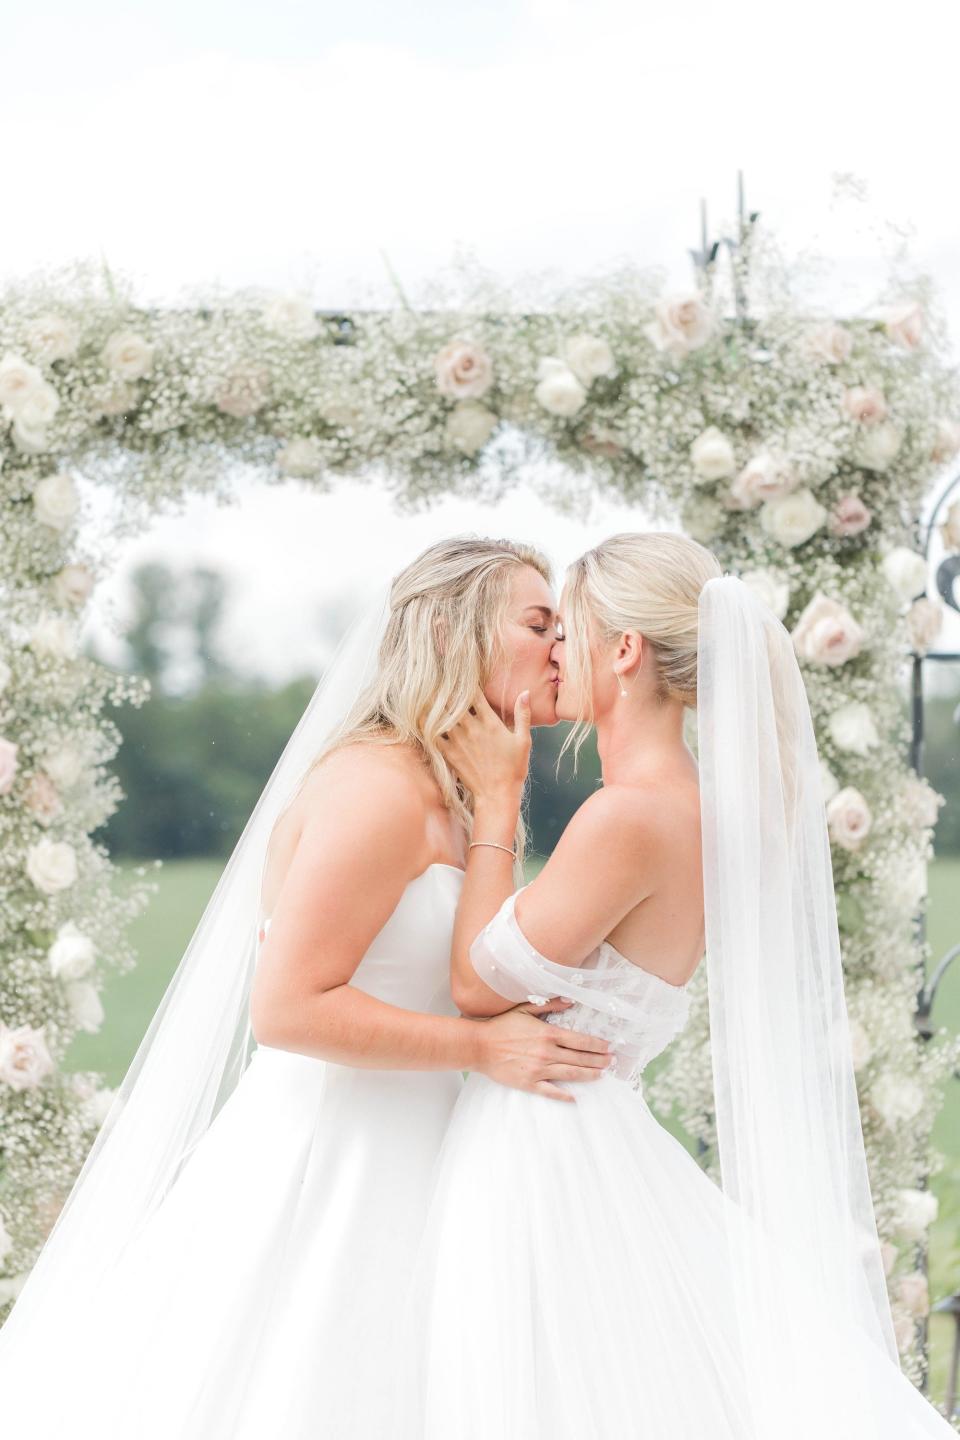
(161, 936)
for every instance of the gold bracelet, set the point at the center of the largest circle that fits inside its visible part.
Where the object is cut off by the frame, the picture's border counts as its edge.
(494, 846)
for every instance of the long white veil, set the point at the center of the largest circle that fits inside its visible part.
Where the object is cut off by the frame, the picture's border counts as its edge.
(788, 1122)
(187, 1065)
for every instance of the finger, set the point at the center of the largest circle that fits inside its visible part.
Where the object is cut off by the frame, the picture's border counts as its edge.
(575, 1072)
(521, 714)
(583, 1057)
(559, 1002)
(543, 1087)
(574, 1040)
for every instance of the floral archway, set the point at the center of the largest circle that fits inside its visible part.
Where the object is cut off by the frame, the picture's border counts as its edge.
(797, 446)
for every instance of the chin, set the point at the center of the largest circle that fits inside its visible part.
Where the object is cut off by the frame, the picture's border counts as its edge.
(544, 714)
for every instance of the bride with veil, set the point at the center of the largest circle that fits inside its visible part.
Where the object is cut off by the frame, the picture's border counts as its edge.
(232, 1259)
(580, 1275)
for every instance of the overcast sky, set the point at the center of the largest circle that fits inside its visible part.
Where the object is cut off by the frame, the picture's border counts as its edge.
(292, 145)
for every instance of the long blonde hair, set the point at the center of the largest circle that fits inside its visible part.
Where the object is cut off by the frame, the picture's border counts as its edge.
(649, 581)
(443, 637)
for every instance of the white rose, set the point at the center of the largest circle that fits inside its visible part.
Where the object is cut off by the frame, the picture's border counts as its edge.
(924, 622)
(703, 518)
(826, 633)
(128, 355)
(849, 819)
(903, 324)
(913, 1292)
(681, 323)
(72, 585)
(72, 953)
(36, 410)
(5, 675)
(54, 635)
(712, 456)
(292, 316)
(766, 476)
(878, 446)
(771, 588)
(865, 403)
(244, 391)
(52, 865)
(829, 783)
(24, 1057)
(300, 457)
(470, 425)
(852, 728)
(947, 442)
(830, 342)
(56, 500)
(6, 1241)
(8, 765)
(464, 371)
(589, 358)
(85, 1007)
(53, 337)
(906, 570)
(897, 1099)
(916, 1212)
(30, 439)
(920, 803)
(19, 380)
(64, 766)
(559, 391)
(792, 519)
(950, 528)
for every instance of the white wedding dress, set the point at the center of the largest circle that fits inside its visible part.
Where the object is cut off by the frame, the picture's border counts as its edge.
(261, 1299)
(574, 1280)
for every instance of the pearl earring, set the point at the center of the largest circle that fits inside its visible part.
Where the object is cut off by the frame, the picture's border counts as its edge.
(623, 690)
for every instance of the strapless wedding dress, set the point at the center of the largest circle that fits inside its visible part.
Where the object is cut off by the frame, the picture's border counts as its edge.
(574, 1280)
(261, 1300)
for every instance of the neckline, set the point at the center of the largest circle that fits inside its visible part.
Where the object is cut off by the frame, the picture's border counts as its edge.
(677, 989)
(434, 865)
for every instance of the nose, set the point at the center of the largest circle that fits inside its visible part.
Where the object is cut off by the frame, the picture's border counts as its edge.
(555, 649)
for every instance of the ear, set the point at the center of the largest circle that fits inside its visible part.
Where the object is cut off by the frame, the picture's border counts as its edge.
(629, 653)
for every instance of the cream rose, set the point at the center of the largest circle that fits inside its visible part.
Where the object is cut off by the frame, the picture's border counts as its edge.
(292, 316)
(52, 337)
(849, 819)
(906, 571)
(54, 635)
(947, 443)
(470, 425)
(766, 476)
(24, 1058)
(924, 623)
(681, 323)
(64, 766)
(915, 1213)
(559, 390)
(8, 765)
(792, 519)
(19, 381)
(73, 585)
(850, 516)
(41, 799)
(590, 358)
(865, 403)
(712, 455)
(30, 439)
(464, 371)
(903, 324)
(831, 343)
(300, 457)
(770, 587)
(72, 953)
(85, 1008)
(826, 633)
(897, 1099)
(128, 355)
(920, 803)
(852, 727)
(878, 446)
(244, 391)
(52, 865)
(56, 500)
(950, 527)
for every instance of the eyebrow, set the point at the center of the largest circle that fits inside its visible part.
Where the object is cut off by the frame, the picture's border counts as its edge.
(545, 611)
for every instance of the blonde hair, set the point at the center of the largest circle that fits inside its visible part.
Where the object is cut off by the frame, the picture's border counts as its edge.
(646, 581)
(443, 637)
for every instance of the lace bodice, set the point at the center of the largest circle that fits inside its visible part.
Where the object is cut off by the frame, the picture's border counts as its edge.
(637, 1011)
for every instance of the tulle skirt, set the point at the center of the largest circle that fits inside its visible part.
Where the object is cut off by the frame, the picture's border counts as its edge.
(574, 1283)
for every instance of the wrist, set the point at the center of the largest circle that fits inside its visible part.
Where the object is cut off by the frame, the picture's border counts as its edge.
(496, 810)
(475, 1046)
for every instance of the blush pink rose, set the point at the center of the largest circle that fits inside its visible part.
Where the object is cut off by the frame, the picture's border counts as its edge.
(826, 633)
(464, 371)
(41, 798)
(850, 516)
(865, 403)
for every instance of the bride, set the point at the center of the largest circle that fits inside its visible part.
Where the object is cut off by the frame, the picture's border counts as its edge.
(580, 1275)
(232, 1259)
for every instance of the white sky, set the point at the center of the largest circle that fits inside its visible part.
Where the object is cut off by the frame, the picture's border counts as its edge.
(289, 145)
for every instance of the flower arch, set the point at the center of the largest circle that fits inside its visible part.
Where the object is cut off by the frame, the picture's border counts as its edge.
(797, 446)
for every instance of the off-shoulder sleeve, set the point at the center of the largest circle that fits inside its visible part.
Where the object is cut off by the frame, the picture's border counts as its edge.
(505, 960)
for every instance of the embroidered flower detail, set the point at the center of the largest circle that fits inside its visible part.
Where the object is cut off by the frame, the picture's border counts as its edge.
(538, 999)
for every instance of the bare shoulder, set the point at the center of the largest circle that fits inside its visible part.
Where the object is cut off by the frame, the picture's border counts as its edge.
(638, 815)
(369, 777)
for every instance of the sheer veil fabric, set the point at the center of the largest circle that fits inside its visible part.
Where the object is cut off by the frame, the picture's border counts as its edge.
(191, 1059)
